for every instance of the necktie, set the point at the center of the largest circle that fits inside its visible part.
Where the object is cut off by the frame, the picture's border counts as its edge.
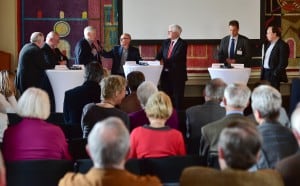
(231, 52)
(170, 49)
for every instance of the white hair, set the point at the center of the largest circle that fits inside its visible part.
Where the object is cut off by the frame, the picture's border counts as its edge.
(237, 95)
(144, 91)
(175, 28)
(87, 30)
(295, 119)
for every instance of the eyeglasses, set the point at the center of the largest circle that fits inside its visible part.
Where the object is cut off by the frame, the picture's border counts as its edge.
(124, 38)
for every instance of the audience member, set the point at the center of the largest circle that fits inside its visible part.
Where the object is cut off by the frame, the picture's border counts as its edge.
(112, 92)
(34, 138)
(108, 145)
(234, 48)
(238, 148)
(131, 103)
(122, 53)
(85, 49)
(2, 172)
(139, 118)
(156, 139)
(173, 53)
(32, 65)
(200, 115)
(52, 54)
(236, 99)
(275, 58)
(8, 102)
(89, 92)
(289, 167)
(278, 141)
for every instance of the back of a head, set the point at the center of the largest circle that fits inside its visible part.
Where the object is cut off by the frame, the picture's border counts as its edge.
(295, 119)
(87, 30)
(214, 89)
(134, 79)
(36, 37)
(93, 71)
(240, 142)
(267, 101)
(108, 143)
(5, 83)
(34, 103)
(237, 95)
(144, 91)
(51, 35)
(159, 106)
(111, 85)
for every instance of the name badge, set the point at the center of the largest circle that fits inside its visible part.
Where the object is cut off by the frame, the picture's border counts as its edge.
(239, 52)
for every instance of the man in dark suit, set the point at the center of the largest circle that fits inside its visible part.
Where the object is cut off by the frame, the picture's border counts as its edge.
(236, 99)
(76, 98)
(86, 50)
(278, 141)
(173, 53)
(52, 54)
(275, 58)
(234, 48)
(32, 65)
(122, 53)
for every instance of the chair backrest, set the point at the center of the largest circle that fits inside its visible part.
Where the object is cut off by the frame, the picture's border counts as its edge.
(77, 148)
(83, 165)
(37, 172)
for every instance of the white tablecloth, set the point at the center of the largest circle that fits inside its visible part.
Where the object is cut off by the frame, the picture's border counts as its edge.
(151, 72)
(62, 80)
(232, 75)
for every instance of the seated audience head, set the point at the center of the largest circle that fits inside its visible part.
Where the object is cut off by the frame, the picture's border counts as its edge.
(90, 33)
(34, 103)
(236, 96)
(134, 79)
(5, 85)
(113, 87)
(214, 90)
(295, 122)
(108, 143)
(234, 28)
(239, 145)
(37, 38)
(174, 31)
(144, 91)
(93, 71)
(52, 39)
(266, 103)
(159, 106)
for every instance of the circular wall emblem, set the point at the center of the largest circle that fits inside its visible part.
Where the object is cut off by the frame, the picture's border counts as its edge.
(289, 5)
(62, 28)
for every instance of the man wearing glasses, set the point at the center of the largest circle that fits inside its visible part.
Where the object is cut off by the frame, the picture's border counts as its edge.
(122, 53)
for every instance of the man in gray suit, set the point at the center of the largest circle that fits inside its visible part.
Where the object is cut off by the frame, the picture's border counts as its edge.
(236, 99)
(234, 48)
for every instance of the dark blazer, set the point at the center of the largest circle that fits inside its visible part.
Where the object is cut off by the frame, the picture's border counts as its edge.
(116, 54)
(31, 68)
(83, 53)
(52, 57)
(278, 60)
(242, 53)
(278, 142)
(77, 98)
(176, 64)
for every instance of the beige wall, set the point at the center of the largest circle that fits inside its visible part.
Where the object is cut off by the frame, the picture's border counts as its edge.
(8, 32)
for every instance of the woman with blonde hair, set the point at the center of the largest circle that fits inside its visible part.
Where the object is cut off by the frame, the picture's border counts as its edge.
(156, 139)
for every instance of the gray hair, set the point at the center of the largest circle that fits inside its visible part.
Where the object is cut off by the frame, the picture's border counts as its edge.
(240, 142)
(51, 35)
(175, 28)
(237, 95)
(144, 91)
(295, 119)
(214, 89)
(34, 103)
(93, 71)
(267, 101)
(36, 37)
(108, 142)
(87, 30)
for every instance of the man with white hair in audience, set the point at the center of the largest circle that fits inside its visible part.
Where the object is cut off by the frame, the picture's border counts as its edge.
(108, 146)
(278, 141)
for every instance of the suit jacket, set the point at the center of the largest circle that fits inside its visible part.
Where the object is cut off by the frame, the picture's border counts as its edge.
(194, 176)
(278, 60)
(278, 142)
(77, 98)
(289, 169)
(103, 177)
(211, 133)
(176, 64)
(116, 54)
(83, 53)
(242, 53)
(31, 68)
(52, 57)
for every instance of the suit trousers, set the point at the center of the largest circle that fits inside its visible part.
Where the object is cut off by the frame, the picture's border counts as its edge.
(274, 80)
